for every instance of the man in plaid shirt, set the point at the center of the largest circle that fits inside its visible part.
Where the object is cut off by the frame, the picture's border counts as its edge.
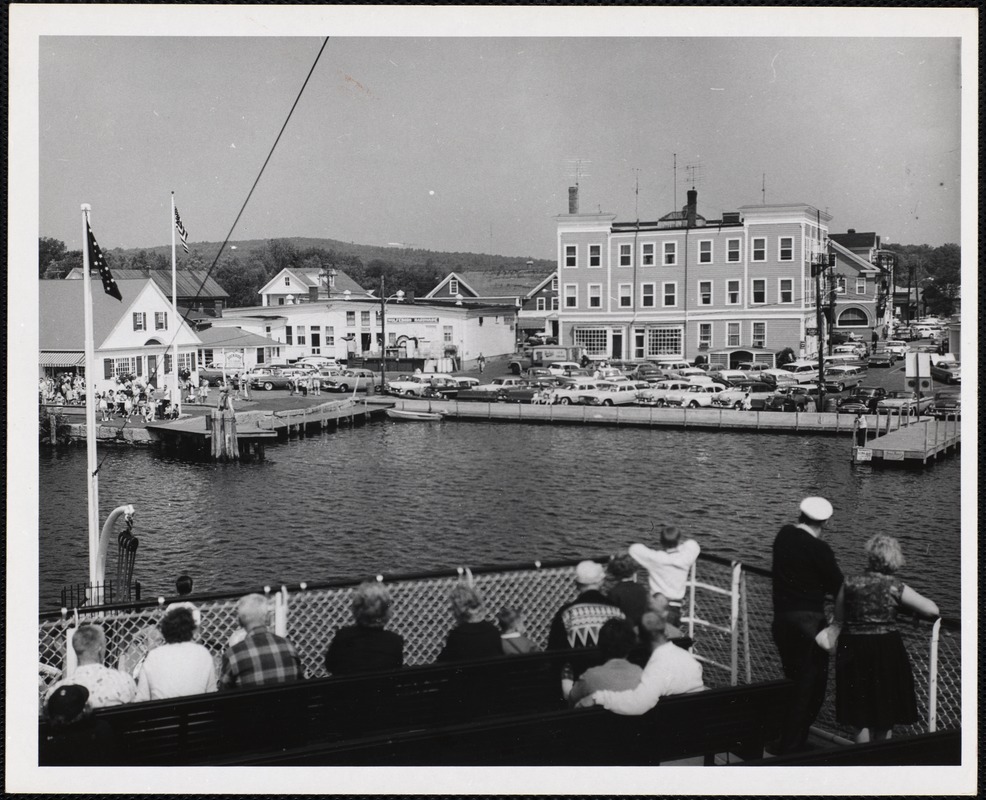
(260, 657)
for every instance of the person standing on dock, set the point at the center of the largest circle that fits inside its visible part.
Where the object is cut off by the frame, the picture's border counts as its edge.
(859, 429)
(668, 567)
(481, 363)
(805, 571)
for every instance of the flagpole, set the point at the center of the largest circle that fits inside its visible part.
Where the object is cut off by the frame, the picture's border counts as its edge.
(175, 392)
(92, 481)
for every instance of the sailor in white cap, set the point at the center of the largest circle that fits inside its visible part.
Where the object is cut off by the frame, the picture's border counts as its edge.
(804, 573)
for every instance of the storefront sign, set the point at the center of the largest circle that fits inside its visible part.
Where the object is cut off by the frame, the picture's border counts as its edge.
(864, 454)
(893, 455)
(423, 320)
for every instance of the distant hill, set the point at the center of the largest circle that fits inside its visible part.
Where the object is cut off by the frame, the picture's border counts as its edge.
(396, 256)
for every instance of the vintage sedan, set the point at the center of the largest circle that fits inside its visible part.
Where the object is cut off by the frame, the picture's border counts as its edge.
(734, 397)
(269, 379)
(904, 402)
(362, 380)
(566, 368)
(606, 393)
(574, 392)
(881, 358)
(802, 371)
(947, 405)
(695, 396)
(838, 379)
(862, 398)
(947, 371)
(409, 385)
(793, 398)
(655, 395)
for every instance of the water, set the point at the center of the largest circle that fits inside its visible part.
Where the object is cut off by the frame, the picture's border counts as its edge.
(405, 497)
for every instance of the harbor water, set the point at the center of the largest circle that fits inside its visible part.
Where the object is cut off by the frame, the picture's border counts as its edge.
(400, 497)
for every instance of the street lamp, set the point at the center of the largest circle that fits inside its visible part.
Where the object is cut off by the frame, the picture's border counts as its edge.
(399, 297)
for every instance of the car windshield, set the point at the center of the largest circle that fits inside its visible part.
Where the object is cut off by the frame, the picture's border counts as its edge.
(900, 395)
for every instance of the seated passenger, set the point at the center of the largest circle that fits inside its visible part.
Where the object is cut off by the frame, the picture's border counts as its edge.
(616, 639)
(513, 632)
(577, 624)
(670, 670)
(473, 636)
(75, 736)
(622, 589)
(106, 686)
(179, 666)
(261, 657)
(366, 646)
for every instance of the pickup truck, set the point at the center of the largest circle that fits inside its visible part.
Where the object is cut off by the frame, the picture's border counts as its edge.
(541, 356)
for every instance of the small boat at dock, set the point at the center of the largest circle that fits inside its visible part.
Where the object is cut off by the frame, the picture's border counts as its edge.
(414, 416)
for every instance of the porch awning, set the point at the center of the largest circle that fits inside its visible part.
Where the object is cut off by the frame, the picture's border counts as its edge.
(62, 359)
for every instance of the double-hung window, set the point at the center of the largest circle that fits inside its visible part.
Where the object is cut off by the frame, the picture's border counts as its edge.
(595, 295)
(595, 255)
(554, 284)
(571, 295)
(670, 254)
(626, 255)
(364, 319)
(288, 334)
(160, 320)
(350, 319)
(571, 255)
(647, 296)
(785, 248)
(453, 286)
(759, 334)
(554, 303)
(785, 288)
(860, 285)
(541, 304)
(733, 293)
(705, 251)
(733, 251)
(759, 247)
(732, 334)
(299, 335)
(705, 293)
(705, 335)
(669, 292)
(140, 321)
(626, 295)
(647, 254)
(330, 335)
(759, 291)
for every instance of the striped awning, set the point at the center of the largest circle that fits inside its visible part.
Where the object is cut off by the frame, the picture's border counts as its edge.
(62, 359)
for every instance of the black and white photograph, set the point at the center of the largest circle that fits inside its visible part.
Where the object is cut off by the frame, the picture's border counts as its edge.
(511, 400)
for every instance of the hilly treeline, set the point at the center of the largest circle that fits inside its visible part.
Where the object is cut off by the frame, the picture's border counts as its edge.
(934, 272)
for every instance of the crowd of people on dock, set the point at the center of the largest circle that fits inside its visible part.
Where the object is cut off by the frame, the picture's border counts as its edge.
(66, 389)
(637, 652)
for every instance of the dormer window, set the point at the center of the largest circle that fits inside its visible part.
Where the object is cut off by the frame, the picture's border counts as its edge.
(453, 286)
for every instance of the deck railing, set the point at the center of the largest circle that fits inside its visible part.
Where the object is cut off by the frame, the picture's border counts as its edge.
(728, 615)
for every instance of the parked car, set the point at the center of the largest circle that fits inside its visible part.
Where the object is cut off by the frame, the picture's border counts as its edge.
(862, 398)
(778, 377)
(881, 358)
(803, 371)
(213, 374)
(606, 393)
(753, 366)
(573, 393)
(759, 391)
(363, 380)
(947, 371)
(793, 398)
(498, 384)
(904, 402)
(564, 368)
(695, 396)
(269, 379)
(670, 364)
(466, 381)
(656, 394)
(896, 346)
(946, 405)
(729, 376)
(838, 379)
(317, 361)
(442, 387)
(408, 386)
(538, 388)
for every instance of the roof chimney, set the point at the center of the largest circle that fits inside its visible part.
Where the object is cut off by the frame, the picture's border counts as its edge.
(691, 207)
(852, 230)
(573, 199)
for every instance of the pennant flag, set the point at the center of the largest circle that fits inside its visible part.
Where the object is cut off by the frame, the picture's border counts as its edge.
(182, 233)
(96, 260)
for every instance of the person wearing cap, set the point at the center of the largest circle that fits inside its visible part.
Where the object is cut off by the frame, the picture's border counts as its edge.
(804, 573)
(577, 623)
(106, 686)
(74, 736)
(667, 568)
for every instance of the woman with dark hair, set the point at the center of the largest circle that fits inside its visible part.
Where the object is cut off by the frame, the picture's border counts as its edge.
(366, 646)
(874, 687)
(179, 666)
(474, 636)
(622, 589)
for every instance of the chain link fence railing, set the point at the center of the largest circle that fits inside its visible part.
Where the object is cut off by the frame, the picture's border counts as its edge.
(421, 614)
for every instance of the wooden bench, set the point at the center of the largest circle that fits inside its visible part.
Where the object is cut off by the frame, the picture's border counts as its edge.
(737, 720)
(927, 749)
(205, 728)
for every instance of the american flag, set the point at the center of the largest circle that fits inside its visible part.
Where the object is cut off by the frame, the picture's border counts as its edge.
(96, 260)
(182, 233)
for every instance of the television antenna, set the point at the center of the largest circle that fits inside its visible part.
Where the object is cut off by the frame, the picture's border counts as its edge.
(575, 169)
(694, 174)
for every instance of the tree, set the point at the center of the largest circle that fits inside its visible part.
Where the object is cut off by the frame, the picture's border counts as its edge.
(49, 250)
(62, 266)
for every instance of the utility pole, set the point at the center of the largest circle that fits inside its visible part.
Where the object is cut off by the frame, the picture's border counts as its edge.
(816, 270)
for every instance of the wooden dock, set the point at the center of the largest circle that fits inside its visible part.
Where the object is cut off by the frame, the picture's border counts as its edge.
(191, 436)
(917, 444)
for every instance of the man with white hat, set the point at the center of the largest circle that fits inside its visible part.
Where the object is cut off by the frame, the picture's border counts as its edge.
(805, 571)
(577, 623)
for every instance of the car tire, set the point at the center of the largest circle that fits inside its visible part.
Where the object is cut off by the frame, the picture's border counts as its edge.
(565, 401)
(738, 405)
(842, 387)
(693, 404)
(268, 386)
(607, 402)
(343, 387)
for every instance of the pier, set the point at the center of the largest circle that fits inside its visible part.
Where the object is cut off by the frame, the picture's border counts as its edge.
(917, 444)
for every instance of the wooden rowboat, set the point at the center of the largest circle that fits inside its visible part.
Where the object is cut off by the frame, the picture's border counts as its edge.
(414, 416)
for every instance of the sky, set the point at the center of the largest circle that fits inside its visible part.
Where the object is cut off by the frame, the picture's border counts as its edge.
(470, 143)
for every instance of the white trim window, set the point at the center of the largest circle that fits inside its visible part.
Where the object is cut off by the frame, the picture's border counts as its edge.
(670, 250)
(626, 255)
(705, 251)
(541, 304)
(667, 341)
(626, 295)
(861, 284)
(300, 335)
(554, 303)
(705, 293)
(705, 335)
(595, 295)
(733, 250)
(160, 320)
(758, 292)
(595, 255)
(453, 286)
(733, 296)
(732, 334)
(785, 290)
(758, 248)
(364, 319)
(140, 320)
(785, 248)
(592, 340)
(669, 294)
(809, 289)
(759, 334)
(447, 334)
(287, 280)
(329, 339)
(350, 319)
(554, 284)
(571, 256)
(571, 295)
(648, 298)
(647, 254)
